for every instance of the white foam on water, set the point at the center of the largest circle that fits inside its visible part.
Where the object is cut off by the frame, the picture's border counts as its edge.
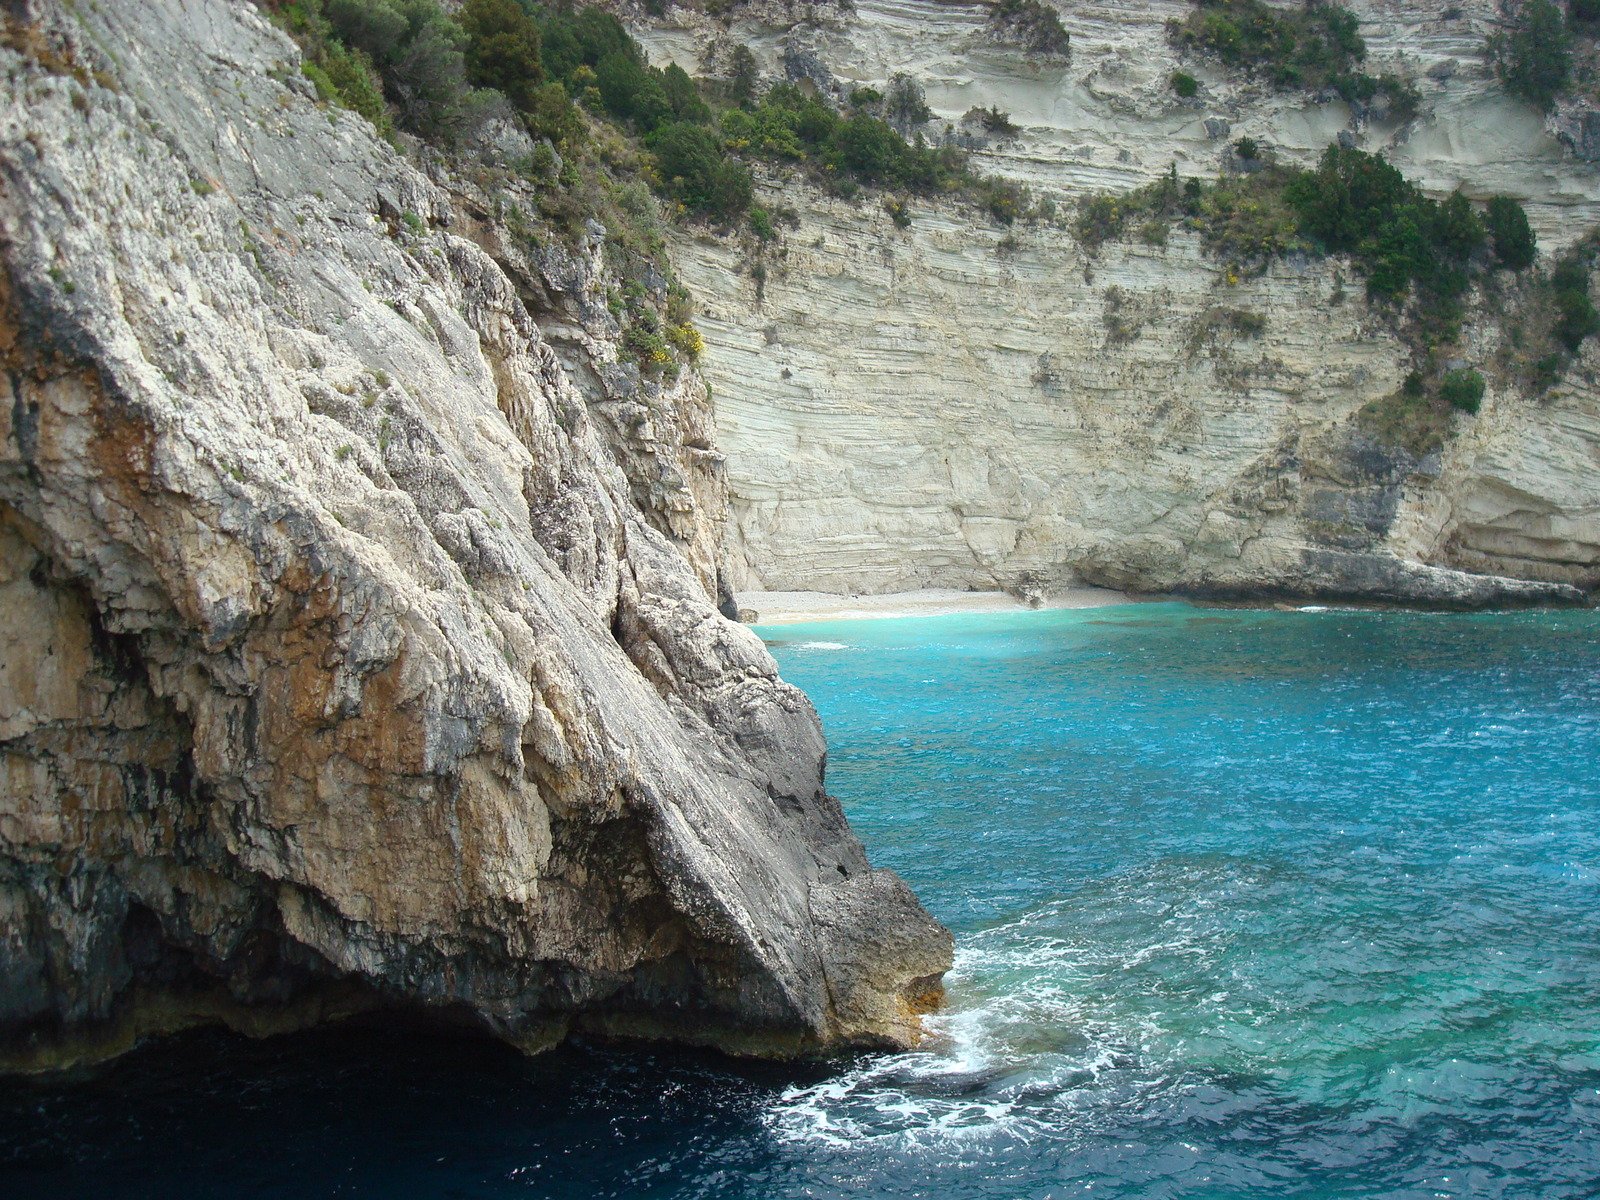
(1013, 1050)
(822, 646)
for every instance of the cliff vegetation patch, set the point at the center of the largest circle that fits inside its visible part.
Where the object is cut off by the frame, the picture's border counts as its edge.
(1317, 48)
(1420, 259)
(1033, 25)
(864, 144)
(1533, 55)
(606, 129)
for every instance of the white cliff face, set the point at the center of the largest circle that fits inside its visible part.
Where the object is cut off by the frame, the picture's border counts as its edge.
(344, 660)
(963, 405)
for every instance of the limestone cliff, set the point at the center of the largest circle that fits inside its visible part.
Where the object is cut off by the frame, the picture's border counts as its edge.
(345, 659)
(965, 405)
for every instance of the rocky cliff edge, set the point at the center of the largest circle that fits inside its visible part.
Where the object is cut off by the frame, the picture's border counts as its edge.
(339, 668)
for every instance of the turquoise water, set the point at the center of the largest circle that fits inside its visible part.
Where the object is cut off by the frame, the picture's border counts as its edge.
(1247, 904)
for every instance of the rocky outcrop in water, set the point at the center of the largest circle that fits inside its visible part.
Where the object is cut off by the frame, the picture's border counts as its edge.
(346, 661)
(959, 404)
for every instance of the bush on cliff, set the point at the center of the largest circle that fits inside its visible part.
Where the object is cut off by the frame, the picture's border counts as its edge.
(1356, 203)
(1462, 390)
(696, 172)
(1031, 24)
(1533, 58)
(1576, 316)
(502, 49)
(1318, 47)
(1514, 243)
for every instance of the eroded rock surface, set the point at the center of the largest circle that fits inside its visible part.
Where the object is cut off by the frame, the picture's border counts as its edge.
(958, 404)
(340, 666)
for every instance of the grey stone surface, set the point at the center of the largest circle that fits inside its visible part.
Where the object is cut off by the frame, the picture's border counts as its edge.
(341, 665)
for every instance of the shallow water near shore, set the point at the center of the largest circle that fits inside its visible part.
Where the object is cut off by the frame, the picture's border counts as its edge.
(1247, 904)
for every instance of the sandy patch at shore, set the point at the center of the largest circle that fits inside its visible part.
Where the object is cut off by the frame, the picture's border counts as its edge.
(778, 608)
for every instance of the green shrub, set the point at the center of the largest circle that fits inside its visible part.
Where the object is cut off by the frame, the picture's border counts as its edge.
(1003, 199)
(1534, 57)
(905, 105)
(1247, 149)
(502, 49)
(1246, 220)
(1033, 25)
(1514, 242)
(1462, 389)
(380, 29)
(992, 120)
(356, 86)
(1317, 47)
(1358, 204)
(1185, 84)
(848, 150)
(697, 173)
(1576, 319)
(647, 345)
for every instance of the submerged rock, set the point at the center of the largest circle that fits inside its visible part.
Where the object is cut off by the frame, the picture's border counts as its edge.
(339, 666)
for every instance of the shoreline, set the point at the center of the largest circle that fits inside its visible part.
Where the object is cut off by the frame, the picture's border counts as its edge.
(791, 608)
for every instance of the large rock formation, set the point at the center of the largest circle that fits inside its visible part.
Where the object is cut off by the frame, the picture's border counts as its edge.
(964, 405)
(341, 663)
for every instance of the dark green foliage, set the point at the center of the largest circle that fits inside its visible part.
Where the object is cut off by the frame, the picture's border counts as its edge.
(502, 50)
(1534, 57)
(1247, 149)
(743, 75)
(1318, 47)
(377, 28)
(1353, 203)
(992, 120)
(1414, 384)
(346, 78)
(1457, 231)
(1033, 25)
(866, 148)
(1462, 389)
(418, 52)
(849, 150)
(1514, 242)
(1583, 12)
(631, 91)
(696, 172)
(682, 96)
(1576, 318)
(580, 38)
(1358, 204)
(905, 105)
(1185, 84)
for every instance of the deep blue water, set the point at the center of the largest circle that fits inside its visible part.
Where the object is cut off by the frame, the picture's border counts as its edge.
(1247, 904)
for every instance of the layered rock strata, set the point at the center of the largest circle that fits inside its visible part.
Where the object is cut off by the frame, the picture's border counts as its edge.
(958, 404)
